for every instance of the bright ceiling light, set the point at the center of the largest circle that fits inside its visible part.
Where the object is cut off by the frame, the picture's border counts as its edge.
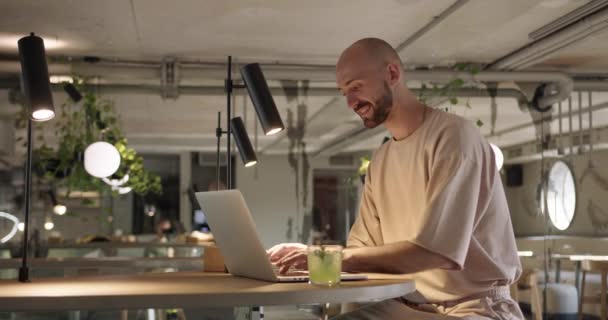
(525, 253)
(49, 225)
(498, 156)
(150, 210)
(101, 159)
(14, 229)
(273, 131)
(43, 115)
(60, 209)
(21, 226)
(61, 79)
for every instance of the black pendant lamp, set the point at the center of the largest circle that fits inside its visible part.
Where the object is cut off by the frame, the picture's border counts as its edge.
(35, 78)
(262, 99)
(242, 142)
(39, 101)
(72, 91)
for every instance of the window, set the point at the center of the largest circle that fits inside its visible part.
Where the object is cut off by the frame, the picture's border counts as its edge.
(561, 195)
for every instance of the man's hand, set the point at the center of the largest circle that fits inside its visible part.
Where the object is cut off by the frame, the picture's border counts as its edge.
(287, 255)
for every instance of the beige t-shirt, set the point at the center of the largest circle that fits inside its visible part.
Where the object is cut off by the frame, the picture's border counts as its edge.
(440, 189)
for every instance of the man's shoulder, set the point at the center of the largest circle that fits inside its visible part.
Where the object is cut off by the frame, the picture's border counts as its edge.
(453, 126)
(453, 135)
(449, 121)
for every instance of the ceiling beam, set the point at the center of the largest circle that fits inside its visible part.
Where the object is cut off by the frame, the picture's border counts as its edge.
(435, 21)
(543, 48)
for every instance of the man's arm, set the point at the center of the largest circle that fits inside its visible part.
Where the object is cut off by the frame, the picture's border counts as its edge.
(399, 258)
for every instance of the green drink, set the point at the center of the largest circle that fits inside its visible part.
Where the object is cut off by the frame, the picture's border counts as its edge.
(324, 265)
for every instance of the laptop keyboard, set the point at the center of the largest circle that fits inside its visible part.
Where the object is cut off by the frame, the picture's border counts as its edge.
(290, 273)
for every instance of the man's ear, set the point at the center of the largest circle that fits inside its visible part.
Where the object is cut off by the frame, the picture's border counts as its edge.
(394, 74)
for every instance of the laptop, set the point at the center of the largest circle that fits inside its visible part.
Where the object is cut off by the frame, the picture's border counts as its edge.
(237, 238)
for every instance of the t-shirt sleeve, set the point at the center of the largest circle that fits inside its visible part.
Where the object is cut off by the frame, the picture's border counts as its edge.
(366, 229)
(452, 196)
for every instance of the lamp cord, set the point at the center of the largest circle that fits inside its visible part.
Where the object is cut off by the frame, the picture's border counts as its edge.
(24, 270)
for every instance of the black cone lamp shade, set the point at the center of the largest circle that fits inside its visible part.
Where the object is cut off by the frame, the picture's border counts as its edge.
(71, 90)
(262, 99)
(242, 142)
(35, 77)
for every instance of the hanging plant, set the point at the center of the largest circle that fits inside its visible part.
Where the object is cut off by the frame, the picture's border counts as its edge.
(76, 127)
(433, 94)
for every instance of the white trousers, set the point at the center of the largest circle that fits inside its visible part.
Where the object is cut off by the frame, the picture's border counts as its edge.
(496, 307)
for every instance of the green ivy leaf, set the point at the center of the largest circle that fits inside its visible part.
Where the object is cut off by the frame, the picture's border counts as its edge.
(461, 66)
(479, 123)
(457, 83)
(454, 100)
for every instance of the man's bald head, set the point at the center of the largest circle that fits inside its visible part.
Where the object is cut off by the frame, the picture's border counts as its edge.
(371, 51)
(368, 73)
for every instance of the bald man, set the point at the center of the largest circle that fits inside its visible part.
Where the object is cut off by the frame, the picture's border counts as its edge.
(433, 206)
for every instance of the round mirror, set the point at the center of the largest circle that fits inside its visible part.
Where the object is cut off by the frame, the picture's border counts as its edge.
(561, 195)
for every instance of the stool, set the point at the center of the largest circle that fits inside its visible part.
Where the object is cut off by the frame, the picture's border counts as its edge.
(595, 267)
(561, 300)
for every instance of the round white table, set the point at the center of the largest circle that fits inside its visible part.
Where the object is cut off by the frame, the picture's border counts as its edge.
(185, 290)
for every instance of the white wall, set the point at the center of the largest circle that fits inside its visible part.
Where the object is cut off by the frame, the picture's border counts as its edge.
(271, 196)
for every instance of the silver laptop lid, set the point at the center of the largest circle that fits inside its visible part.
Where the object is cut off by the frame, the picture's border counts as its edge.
(235, 234)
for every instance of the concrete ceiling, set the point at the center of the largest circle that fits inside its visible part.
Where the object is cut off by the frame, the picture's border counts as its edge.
(590, 56)
(288, 32)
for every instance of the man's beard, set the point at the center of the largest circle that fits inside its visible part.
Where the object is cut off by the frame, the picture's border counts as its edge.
(381, 109)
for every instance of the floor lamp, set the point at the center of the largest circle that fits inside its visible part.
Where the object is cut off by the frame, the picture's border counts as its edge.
(266, 110)
(39, 103)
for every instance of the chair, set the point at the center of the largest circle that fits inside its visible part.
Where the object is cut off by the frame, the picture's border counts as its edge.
(535, 295)
(594, 267)
(528, 280)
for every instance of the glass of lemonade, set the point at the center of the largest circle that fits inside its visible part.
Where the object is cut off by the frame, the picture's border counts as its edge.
(325, 264)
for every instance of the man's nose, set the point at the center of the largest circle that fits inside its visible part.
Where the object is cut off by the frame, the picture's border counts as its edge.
(351, 101)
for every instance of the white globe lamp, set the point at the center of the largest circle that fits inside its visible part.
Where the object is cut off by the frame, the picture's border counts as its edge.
(101, 159)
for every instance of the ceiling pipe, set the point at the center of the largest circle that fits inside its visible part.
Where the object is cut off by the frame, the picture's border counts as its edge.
(435, 21)
(329, 111)
(196, 74)
(338, 144)
(561, 82)
(544, 48)
(279, 91)
(590, 85)
(564, 115)
(191, 73)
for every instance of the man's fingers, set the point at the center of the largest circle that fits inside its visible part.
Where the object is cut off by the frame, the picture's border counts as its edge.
(283, 269)
(301, 264)
(292, 258)
(279, 248)
(280, 253)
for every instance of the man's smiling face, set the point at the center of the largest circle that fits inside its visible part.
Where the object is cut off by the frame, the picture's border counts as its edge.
(363, 84)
